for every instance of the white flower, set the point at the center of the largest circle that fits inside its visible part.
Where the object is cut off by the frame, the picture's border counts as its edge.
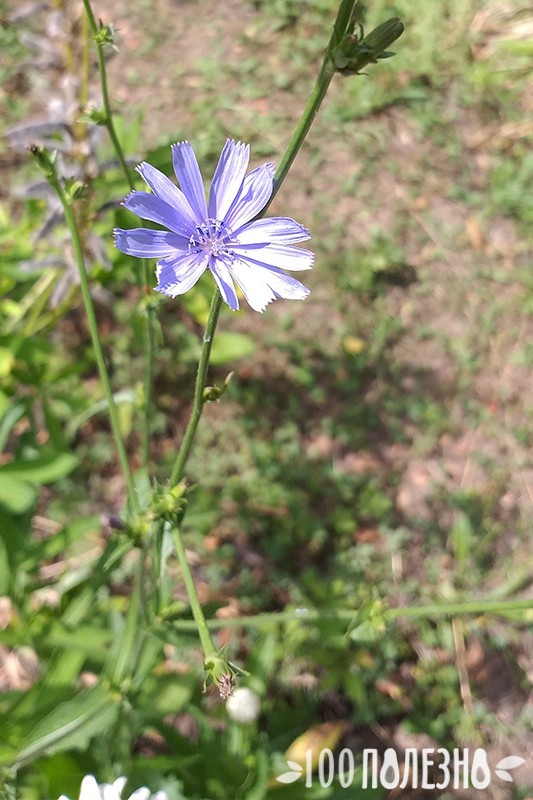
(90, 790)
(243, 706)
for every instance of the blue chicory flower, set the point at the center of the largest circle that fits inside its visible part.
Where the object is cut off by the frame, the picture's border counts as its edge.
(220, 235)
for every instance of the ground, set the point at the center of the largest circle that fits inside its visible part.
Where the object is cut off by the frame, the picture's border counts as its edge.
(409, 367)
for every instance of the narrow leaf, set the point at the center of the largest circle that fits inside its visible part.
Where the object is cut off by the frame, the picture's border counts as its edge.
(71, 725)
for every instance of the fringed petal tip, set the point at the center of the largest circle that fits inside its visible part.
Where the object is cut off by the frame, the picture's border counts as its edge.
(222, 232)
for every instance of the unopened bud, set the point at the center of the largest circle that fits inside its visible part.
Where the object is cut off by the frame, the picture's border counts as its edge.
(44, 159)
(105, 35)
(383, 36)
(75, 189)
(244, 706)
(215, 392)
(96, 116)
(355, 53)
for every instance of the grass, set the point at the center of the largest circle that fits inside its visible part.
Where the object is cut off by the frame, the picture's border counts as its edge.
(373, 445)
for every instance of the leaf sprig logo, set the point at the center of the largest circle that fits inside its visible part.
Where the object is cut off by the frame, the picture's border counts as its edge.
(510, 762)
(294, 773)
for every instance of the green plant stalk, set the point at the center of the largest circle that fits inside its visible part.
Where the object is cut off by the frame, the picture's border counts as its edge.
(200, 623)
(318, 93)
(199, 401)
(376, 42)
(324, 78)
(149, 339)
(327, 71)
(148, 386)
(97, 345)
(110, 125)
(345, 615)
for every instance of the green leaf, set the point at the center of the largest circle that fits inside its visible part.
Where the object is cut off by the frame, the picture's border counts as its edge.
(7, 359)
(368, 623)
(230, 346)
(46, 469)
(5, 571)
(16, 495)
(164, 694)
(87, 641)
(127, 644)
(461, 537)
(71, 725)
(67, 536)
(124, 396)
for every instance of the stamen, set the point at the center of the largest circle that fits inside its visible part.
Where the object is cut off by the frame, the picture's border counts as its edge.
(212, 236)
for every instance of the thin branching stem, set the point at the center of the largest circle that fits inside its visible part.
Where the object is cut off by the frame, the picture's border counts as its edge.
(149, 338)
(310, 615)
(97, 345)
(319, 91)
(108, 121)
(199, 400)
(200, 622)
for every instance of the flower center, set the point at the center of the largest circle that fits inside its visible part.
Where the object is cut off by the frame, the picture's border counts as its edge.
(212, 237)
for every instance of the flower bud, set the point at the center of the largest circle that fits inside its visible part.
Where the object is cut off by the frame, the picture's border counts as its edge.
(105, 35)
(354, 53)
(244, 706)
(44, 159)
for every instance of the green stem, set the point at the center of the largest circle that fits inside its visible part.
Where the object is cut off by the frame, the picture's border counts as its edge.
(149, 349)
(302, 129)
(110, 125)
(145, 269)
(97, 345)
(306, 615)
(199, 401)
(325, 75)
(313, 104)
(317, 95)
(468, 607)
(200, 623)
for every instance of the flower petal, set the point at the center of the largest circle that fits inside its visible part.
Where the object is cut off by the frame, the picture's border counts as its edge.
(262, 285)
(224, 282)
(109, 792)
(89, 789)
(254, 195)
(149, 206)
(254, 287)
(278, 230)
(190, 178)
(161, 795)
(275, 255)
(228, 178)
(177, 275)
(146, 243)
(140, 794)
(165, 190)
(119, 784)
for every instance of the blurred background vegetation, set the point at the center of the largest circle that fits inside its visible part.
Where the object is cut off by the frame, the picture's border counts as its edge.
(374, 446)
